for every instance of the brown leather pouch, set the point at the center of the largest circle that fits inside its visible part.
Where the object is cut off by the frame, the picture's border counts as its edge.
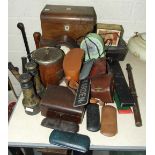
(58, 103)
(99, 67)
(72, 63)
(108, 121)
(102, 87)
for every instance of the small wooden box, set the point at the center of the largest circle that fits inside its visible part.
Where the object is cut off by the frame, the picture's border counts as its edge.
(74, 21)
(111, 33)
(57, 102)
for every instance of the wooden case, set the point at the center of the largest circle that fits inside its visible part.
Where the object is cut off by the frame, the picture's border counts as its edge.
(117, 53)
(74, 21)
(57, 102)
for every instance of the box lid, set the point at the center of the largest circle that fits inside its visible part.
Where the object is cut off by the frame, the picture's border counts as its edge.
(64, 13)
(60, 99)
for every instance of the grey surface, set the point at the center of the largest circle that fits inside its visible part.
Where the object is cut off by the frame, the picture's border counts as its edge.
(101, 148)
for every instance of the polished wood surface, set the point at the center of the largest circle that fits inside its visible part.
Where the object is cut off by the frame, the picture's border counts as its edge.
(73, 21)
(52, 73)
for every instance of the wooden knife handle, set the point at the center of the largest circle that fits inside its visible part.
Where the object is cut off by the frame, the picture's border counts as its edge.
(22, 28)
(37, 36)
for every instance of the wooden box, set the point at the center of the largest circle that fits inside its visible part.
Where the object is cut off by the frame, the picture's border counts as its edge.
(74, 21)
(111, 33)
(57, 102)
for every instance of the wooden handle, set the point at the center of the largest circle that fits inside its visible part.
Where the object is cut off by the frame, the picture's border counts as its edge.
(136, 111)
(137, 115)
(37, 36)
(22, 28)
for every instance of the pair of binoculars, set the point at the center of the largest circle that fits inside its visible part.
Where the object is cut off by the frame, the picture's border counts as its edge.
(32, 88)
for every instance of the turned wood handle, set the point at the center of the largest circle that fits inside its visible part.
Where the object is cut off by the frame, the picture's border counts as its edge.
(22, 28)
(37, 36)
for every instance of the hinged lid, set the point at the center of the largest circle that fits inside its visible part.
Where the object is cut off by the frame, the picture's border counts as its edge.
(62, 14)
(47, 55)
(60, 99)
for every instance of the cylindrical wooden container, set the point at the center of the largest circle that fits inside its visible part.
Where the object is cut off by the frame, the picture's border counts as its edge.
(50, 60)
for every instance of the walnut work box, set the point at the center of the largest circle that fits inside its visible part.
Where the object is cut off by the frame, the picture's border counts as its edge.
(73, 21)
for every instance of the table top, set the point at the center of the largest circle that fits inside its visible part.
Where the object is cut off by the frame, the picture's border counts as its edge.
(25, 130)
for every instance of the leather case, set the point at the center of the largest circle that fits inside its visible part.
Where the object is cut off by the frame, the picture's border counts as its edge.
(60, 124)
(99, 67)
(117, 53)
(93, 117)
(108, 121)
(72, 63)
(70, 140)
(102, 87)
(121, 86)
(57, 102)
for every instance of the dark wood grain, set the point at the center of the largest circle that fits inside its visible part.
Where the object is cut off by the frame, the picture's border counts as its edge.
(73, 21)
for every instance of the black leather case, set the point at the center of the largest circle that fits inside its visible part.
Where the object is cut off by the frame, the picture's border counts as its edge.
(121, 85)
(93, 117)
(70, 140)
(117, 53)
